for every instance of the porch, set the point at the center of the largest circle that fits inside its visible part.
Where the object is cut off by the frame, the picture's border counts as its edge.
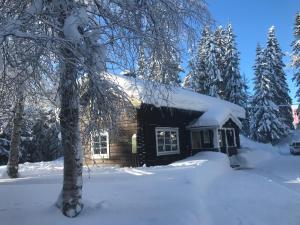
(216, 133)
(214, 139)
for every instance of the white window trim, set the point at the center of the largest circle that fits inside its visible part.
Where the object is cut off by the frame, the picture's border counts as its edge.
(174, 129)
(101, 156)
(234, 138)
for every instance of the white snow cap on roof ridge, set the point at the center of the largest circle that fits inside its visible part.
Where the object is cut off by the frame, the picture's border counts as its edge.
(215, 117)
(160, 95)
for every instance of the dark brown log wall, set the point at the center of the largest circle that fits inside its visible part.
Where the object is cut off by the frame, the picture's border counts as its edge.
(149, 117)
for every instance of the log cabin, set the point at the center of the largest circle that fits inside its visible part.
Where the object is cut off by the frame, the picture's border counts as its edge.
(170, 123)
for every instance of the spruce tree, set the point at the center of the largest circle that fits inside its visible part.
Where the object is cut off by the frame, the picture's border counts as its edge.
(247, 107)
(219, 36)
(211, 67)
(255, 98)
(232, 78)
(266, 123)
(282, 99)
(296, 55)
(198, 77)
(205, 74)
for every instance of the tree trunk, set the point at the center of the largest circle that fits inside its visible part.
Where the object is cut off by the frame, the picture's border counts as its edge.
(70, 199)
(13, 160)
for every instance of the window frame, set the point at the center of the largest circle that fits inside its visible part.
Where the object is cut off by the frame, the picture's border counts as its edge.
(100, 156)
(170, 129)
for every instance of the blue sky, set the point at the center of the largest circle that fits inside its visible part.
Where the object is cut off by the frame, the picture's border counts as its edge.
(251, 20)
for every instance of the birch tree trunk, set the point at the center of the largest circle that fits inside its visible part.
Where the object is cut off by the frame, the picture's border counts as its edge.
(13, 160)
(70, 198)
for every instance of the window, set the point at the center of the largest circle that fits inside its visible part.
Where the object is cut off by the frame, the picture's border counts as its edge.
(196, 140)
(100, 145)
(167, 140)
(206, 137)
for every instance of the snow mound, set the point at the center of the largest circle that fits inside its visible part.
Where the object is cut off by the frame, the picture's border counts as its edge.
(255, 152)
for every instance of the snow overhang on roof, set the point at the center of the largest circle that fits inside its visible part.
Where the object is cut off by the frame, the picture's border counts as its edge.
(149, 92)
(215, 117)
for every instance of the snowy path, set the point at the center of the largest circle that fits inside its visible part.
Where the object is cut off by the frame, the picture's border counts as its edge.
(245, 197)
(201, 190)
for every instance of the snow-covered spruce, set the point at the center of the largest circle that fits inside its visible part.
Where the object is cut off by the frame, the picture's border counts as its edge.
(232, 79)
(205, 77)
(275, 65)
(296, 54)
(266, 123)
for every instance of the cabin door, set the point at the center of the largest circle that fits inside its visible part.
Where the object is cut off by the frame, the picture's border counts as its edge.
(226, 139)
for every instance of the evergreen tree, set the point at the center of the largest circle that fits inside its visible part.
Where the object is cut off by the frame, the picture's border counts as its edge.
(205, 74)
(257, 85)
(266, 123)
(220, 42)
(198, 75)
(282, 99)
(211, 67)
(265, 120)
(232, 78)
(296, 55)
(247, 107)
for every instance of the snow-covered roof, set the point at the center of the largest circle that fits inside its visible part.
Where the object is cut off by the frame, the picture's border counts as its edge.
(141, 91)
(215, 117)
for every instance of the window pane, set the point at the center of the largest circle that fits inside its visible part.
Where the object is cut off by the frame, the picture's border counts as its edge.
(168, 148)
(160, 141)
(96, 151)
(103, 150)
(174, 137)
(103, 144)
(160, 134)
(167, 134)
(167, 141)
(103, 137)
(160, 148)
(174, 148)
(95, 138)
(96, 145)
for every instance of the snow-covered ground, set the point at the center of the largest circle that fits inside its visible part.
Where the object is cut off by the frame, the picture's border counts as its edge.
(202, 189)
